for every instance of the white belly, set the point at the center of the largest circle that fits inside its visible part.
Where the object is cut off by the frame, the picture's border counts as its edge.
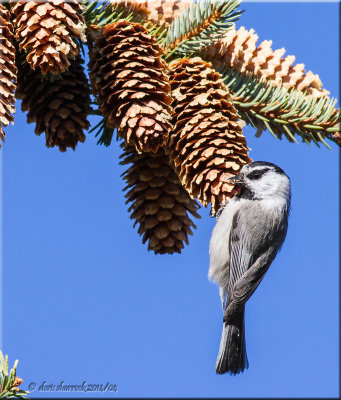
(219, 245)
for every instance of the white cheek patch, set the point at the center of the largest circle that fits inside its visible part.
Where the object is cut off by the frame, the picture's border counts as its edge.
(271, 184)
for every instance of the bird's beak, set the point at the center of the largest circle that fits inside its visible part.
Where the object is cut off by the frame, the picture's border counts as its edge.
(236, 180)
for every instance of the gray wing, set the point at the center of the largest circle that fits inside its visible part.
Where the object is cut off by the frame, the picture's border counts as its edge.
(252, 250)
(240, 253)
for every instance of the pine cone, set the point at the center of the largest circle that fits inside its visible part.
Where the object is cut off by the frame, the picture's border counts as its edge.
(208, 145)
(8, 71)
(138, 7)
(238, 50)
(164, 11)
(160, 12)
(159, 203)
(130, 81)
(46, 31)
(59, 106)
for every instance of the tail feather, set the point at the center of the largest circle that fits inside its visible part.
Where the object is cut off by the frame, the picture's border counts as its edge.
(232, 356)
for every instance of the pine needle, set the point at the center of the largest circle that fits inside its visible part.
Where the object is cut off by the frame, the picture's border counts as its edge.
(200, 24)
(282, 111)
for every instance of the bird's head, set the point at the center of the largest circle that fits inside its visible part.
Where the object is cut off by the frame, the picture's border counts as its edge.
(261, 180)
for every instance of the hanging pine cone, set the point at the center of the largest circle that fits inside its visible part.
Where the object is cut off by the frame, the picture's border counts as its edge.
(130, 81)
(159, 203)
(46, 31)
(59, 107)
(8, 71)
(207, 145)
(238, 50)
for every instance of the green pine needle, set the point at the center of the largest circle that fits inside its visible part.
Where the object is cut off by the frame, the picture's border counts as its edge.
(282, 111)
(104, 13)
(159, 32)
(200, 25)
(105, 134)
(7, 379)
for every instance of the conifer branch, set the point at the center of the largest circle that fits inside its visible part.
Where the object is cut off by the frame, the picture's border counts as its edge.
(104, 133)
(101, 14)
(160, 32)
(9, 382)
(200, 25)
(283, 111)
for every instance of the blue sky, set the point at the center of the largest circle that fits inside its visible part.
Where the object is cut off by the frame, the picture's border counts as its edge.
(83, 300)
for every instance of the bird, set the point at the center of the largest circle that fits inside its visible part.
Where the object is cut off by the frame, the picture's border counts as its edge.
(249, 231)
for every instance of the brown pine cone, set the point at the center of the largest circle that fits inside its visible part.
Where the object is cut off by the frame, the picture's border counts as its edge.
(8, 71)
(238, 50)
(59, 107)
(46, 31)
(160, 12)
(159, 203)
(130, 81)
(207, 145)
(164, 11)
(138, 7)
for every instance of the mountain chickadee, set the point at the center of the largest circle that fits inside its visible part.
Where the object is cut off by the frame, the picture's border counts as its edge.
(248, 233)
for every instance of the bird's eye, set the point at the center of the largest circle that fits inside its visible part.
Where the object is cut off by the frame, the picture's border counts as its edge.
(255, 176)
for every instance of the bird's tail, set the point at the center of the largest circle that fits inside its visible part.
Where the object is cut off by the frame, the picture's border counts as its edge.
(232, 356)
